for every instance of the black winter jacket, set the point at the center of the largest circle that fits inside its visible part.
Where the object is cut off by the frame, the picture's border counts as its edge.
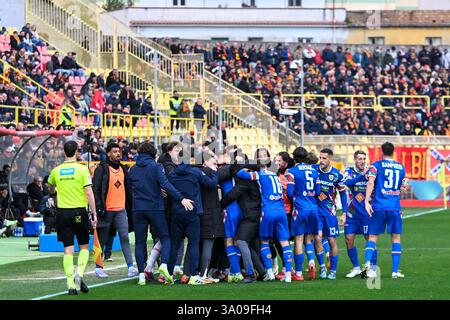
(211, 222)
(247, 194)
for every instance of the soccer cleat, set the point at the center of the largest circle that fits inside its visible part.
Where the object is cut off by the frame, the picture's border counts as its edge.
(161, 279)
(141, 281)
(177, 271)
(100, 273)
(354, 272)
(365, 269)
(132, 272)
(287, 278)
(238, 277)
(323, 272)
(207, 280)
(280, 276)
(297, 278)
(396, 275)
(312, 271)
(248, 279)
(184, 279)
(79, 283)
(195, 281)
(163, 271)
(332, 275)
(108, 257)
(73, 292)
(149, 276)
(269, 277)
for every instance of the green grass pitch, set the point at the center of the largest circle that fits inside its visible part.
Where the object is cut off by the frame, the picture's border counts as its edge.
(425, 262)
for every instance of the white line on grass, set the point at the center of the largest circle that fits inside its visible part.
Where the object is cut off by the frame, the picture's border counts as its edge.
(59, 278)
(93, 286)
(125, 279)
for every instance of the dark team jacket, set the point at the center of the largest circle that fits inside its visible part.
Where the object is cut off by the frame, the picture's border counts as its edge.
(100, 186)
(211, 222)
(246, 192)
(147, 178)
(188, 180)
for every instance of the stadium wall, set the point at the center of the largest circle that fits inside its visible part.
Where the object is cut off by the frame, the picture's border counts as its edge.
(17, 19)
(396, 35)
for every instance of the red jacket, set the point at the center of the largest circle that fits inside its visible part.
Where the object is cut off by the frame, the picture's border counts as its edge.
(98, 101)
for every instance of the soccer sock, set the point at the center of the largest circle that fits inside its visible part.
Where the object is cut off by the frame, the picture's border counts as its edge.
(370, 248)
(320, 258)
(287, 258)
(353, 255)
(234, 260)
(69, 270)
(298, 262)
(374, 259)
(396, 253)
(326, 245)
(83, 258)
(333, 263)
(309, 248)
(266, 256)
(154, 254)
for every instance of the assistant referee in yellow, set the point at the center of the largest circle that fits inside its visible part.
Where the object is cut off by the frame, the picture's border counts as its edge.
(74, 191)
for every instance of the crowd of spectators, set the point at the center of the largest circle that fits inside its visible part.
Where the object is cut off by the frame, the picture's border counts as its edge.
(274, 71)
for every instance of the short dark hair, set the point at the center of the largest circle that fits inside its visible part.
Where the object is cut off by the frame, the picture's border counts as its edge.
(327, 151)
(70, 148)
(388, 149)
(358, 152)
(164, 147)
(6, 166)
(147, 148)
(111, 145)
(300, 154)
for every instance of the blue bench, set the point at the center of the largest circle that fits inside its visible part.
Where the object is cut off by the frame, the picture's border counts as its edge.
(50, 243)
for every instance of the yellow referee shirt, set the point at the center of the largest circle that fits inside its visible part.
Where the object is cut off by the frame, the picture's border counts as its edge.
(70, 179)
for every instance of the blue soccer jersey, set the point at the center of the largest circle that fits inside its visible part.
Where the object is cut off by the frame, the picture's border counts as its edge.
(273, 215)
(389, 178)
(303, 186)
(357, 185)
(232, 215)
(330, 182)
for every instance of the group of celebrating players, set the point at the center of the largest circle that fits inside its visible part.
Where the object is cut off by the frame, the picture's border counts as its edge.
(237, 216)
(298, 203)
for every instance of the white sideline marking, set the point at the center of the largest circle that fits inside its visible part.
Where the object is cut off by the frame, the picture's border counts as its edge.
(125, 279)
(93, 286)
(423, 213)
(61, 277)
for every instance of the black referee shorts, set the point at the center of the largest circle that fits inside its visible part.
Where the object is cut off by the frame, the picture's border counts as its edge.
(70, 223)
(248, 230)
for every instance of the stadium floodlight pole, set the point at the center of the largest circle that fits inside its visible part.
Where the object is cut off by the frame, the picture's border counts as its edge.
(302, 107)
(219, 110)
(155, 93)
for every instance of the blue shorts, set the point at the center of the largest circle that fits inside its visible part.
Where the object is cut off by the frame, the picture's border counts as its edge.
(381, 218)
(231, 220)
(330, 226)
(358, 225)
(305, 222)
(274, 221)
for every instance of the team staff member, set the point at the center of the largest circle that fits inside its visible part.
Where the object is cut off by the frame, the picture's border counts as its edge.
(74, 186)
(112, 197)
(147, 178)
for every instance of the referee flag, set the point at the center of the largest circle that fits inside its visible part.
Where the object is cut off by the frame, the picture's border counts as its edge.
(97, 250)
